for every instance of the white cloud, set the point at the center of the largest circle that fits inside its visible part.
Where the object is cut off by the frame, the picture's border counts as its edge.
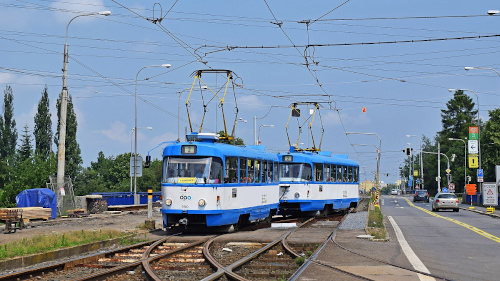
(117, 132)
(250, 102)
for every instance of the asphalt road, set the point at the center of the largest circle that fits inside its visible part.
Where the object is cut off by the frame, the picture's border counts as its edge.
(458, 246)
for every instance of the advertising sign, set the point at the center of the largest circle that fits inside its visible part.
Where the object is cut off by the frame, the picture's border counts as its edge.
(490, 194)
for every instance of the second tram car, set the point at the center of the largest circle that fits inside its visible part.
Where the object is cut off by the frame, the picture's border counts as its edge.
(317, 181)
(210, 184)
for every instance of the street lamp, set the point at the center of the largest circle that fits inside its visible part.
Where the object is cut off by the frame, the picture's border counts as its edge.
(478, 130)
(421, 159)
(465, 159)
(472, 67)
(64, 105)
(378, 159)
(493, 12)
(135, 129)
(259, 131)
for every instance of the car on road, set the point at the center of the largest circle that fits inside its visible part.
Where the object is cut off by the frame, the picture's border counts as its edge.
(445, 201)
(421, 195)
(394, 192)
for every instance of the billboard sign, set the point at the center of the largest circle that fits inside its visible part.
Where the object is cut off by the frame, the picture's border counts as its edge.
(490, 194)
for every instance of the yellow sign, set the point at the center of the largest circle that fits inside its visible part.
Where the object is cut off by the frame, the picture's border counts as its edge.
(415, 173)
(187, 180)
(473, 161)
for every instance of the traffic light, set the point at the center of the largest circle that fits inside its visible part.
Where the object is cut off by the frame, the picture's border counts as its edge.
(148, 161)
(407, 151)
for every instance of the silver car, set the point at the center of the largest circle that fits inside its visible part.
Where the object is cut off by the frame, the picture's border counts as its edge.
(445, 201)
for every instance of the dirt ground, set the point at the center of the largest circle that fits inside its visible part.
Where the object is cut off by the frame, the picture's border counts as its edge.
(124, 221)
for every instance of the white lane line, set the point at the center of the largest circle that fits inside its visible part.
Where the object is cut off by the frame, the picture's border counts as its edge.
(409, 253)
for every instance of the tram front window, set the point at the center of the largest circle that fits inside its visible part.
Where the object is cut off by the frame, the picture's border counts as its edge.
(191, 170)
(295, 172)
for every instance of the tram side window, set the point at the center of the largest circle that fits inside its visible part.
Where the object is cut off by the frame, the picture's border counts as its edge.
(231, 170)
(276, 172)
(318, 172)
(269, 172)
(333, 174)
(251, 167)
(350, 174)
(265, 168)
(327, 173)
(258, 171)
(216, 170)
(355, 172)
(339, 174)
(243, 170)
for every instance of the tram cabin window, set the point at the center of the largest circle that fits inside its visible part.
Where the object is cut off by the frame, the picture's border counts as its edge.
(216, 171)
(276, 172)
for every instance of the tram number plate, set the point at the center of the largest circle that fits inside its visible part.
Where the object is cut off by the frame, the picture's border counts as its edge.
(264, 198)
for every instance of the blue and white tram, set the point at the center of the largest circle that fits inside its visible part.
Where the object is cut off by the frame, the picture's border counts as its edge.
(209, 184)
(317, 181)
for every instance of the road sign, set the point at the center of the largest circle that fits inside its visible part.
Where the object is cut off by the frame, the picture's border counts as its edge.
(138, 166)
(473, 146)
(480, 173)
(444, 189)
(473, 161)
(470, 189)
(473, 130)
(451, 187)
(415, 173)
(490, 194)
(448, 171)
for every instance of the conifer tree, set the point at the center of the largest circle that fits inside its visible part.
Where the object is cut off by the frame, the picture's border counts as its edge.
(43, 127)
(9, 131)
(73, 164)
(25, 148)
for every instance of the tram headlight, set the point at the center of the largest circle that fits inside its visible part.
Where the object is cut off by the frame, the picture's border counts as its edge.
(201, 202)
(297, 195)
(168, 201)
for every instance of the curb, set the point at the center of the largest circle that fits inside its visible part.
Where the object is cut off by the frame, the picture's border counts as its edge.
(33, 259)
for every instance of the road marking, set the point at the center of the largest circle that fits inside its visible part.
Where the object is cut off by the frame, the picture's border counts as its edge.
(409, 253)
(468, 226)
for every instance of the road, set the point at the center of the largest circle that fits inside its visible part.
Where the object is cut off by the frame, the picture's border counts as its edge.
(458, 246)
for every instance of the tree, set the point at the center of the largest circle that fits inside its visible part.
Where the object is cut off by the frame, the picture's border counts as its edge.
(43, 127)
(9, 132)
(237, 141)
(457, 117)
(26, 148)
(73, 158)
(490, 145)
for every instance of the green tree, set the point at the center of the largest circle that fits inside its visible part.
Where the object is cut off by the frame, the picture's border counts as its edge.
(25, 148)
(73, 158)
(9, 132)
(43, 127)
(490, 145)
(236, 141)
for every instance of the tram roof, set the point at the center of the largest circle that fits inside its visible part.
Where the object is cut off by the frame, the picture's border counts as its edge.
(307, 157)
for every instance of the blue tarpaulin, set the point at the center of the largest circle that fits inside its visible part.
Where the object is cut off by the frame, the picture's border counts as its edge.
(38, 197)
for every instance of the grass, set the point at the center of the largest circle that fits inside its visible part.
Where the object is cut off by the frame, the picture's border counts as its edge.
(45, 243)
(375, 225)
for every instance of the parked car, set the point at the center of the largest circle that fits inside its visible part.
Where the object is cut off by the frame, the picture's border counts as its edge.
(445, 201)
(394, 192)
(421, 195)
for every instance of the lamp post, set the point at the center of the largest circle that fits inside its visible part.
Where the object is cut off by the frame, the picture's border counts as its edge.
(473, 67)
(259, 131)
(135, 128)
(378, 160)
(421, 159)
(64, 105)
(465, 159)
(478, 130)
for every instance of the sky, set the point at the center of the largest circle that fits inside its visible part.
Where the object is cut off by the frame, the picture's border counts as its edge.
(397, 59)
